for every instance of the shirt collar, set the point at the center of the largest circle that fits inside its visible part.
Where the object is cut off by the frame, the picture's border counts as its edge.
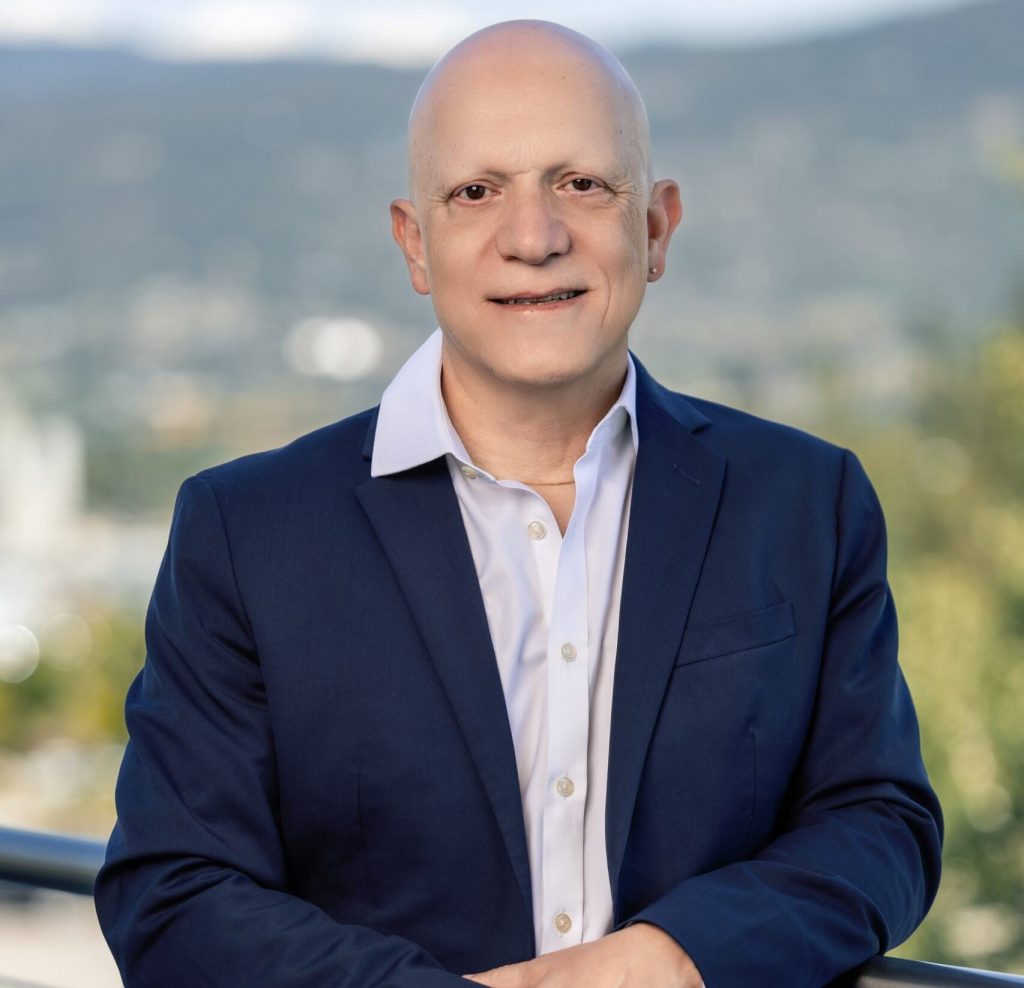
(413, 427)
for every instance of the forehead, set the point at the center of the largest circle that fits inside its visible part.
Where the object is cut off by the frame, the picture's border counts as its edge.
(533, 119)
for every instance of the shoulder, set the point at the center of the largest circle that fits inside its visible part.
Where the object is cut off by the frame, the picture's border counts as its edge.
(328, 460)
(766, 463)
(735, 434)
(736, 431)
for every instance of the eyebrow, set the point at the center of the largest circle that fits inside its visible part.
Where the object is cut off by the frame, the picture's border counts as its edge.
(616, 173)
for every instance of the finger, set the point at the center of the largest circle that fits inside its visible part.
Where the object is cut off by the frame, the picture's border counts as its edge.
(499, 977)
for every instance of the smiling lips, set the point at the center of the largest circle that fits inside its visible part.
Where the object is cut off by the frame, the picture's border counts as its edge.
(528, 299)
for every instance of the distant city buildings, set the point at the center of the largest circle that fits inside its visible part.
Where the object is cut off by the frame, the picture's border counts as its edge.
(54, 556)
(42, 478)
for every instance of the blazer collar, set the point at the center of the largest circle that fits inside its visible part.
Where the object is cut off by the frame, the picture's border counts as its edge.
(672, 404)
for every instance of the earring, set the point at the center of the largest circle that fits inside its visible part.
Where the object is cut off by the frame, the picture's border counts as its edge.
(653, 270)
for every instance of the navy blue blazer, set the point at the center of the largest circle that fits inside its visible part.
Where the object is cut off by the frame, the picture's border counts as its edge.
(321, 789)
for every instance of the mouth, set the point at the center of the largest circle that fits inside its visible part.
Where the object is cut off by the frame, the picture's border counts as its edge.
(526, 298)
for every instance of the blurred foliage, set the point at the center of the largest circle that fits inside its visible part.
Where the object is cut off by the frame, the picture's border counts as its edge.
(952, 483)
(951, 478)
(135, 477)
(76, 694)
(62, 729)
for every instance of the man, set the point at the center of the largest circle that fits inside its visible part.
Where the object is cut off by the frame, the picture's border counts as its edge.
(538, 674)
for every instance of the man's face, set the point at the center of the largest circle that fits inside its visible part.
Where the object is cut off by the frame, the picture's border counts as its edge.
(531, 225)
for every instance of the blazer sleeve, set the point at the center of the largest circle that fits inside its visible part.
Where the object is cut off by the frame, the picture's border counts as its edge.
(855, 863)
(195, 886)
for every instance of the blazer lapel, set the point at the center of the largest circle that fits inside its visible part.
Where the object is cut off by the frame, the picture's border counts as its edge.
(676, 489)
(417, 519)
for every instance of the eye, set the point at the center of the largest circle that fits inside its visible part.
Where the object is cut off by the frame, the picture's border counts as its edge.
(583, 184)
(474, 193)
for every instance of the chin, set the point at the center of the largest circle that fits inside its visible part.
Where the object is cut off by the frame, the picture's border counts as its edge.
(545, 370)
(545, 353)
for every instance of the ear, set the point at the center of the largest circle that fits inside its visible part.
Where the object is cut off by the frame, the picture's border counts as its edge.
(664, 212)
(405, 228)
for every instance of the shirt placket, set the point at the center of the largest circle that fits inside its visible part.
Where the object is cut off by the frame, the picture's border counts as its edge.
(565, 796)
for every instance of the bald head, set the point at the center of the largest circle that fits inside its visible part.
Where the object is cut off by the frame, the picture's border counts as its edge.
(501, 65)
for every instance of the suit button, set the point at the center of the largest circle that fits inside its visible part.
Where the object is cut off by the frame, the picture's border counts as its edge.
(565, 787)
(536, 530)
(569, 652)
(563, 923)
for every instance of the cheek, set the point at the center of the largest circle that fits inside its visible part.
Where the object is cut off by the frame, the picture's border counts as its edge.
(625, 263)
(629, 245)
(447, 279)
(452, 263)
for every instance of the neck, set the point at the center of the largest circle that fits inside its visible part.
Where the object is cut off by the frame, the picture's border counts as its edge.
(532, 433)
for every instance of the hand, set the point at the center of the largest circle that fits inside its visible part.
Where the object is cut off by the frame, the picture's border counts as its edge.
(640, 956)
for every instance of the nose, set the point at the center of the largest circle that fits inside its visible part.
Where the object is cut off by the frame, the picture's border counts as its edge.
(532, 228)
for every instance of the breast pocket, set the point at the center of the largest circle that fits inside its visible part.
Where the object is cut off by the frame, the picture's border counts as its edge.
(737, 633)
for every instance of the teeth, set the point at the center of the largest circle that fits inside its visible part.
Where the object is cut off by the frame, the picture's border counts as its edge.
(560, 297)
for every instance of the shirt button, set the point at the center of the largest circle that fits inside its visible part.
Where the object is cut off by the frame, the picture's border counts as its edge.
(469, 473)
(569, 652)
(536, 530)
(563, 923)
(565, 788)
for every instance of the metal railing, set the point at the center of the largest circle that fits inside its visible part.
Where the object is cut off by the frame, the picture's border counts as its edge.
(69, 864)
(49, 861)
(895, 972)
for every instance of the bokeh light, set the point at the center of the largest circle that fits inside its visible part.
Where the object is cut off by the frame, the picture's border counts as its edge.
(19, 653)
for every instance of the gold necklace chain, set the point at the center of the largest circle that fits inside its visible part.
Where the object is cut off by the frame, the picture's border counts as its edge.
(540, 483)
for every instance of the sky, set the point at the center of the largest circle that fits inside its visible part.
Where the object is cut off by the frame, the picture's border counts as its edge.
(411, 32)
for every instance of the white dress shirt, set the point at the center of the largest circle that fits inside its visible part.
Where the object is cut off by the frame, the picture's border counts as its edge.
(552, 604)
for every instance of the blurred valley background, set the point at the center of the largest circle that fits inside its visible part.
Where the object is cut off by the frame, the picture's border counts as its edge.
(195, 262)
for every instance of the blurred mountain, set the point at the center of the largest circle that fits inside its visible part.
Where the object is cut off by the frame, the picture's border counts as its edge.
(166, 225)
